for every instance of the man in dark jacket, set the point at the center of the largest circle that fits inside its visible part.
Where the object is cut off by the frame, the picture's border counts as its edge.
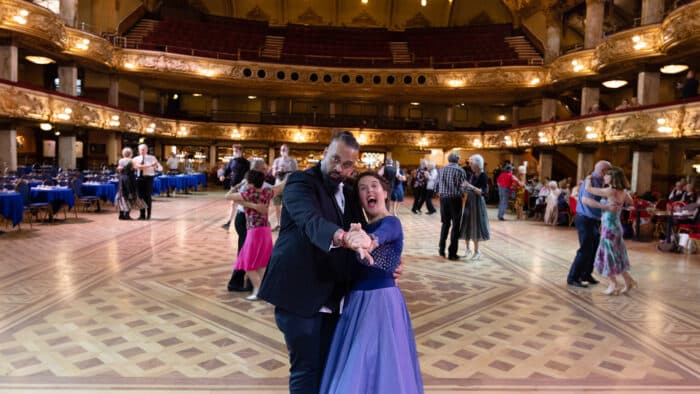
(309, 269)
(235, 170)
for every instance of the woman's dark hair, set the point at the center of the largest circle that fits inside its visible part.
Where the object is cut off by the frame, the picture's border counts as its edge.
(618, 180)
(255, 178)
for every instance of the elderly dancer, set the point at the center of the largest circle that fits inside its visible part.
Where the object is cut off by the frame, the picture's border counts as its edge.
(588, 226)
(146, 166)
(451, 180)
(475, 220)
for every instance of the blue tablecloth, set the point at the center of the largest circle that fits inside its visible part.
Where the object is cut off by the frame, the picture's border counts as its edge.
(177, 182)
(11, 207)
(56, 197)
(201, 178)
(105, 191)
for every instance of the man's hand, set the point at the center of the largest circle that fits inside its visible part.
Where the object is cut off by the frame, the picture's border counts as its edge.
(398, 272)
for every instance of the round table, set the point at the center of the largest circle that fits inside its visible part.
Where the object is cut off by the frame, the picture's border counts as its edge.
(56, 196)
(105, 191)
(11, 207)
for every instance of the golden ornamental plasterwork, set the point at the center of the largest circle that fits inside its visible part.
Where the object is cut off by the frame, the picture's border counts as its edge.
(682, 26)
(86, 45)
(573, 65)
(675, 121)
(639, 43)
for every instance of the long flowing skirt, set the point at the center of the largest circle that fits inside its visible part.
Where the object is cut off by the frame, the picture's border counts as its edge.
(611, 256)
(475, 220)
(256, 250)
(373, 349)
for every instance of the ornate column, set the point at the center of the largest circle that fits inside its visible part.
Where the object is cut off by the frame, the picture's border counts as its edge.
(273, 106)
(10, 65)
(331, 109)
(68, 9)
(213, 165)
(66, 152)
(652, 11)
(450, 115)
(590, 96)
(549, 109)
(515, 116)
(642, 169)
(113, 148)
(142, 99)
(68, 80)
(113, 96)
(648, 84)
(595, 15)
(214, 107)
(585, 162)
(390, 111)
(544, 165)
(553, 21)
(8, 147)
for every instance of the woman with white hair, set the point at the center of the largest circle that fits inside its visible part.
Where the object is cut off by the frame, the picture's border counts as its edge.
(552, 208)
(127, 197)
(475, 221)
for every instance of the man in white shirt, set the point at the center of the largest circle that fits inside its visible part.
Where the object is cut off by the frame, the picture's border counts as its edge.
(172, 164)
(146, 166)
(281, 167)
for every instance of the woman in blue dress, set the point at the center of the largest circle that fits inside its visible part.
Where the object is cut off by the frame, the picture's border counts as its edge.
(373, 348)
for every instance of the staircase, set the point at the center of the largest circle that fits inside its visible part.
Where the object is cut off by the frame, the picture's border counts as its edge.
(400, 53)
(524, 49)
(140, 31)
(272, 47)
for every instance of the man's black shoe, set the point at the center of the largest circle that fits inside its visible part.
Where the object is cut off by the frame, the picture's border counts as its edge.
(453, 258)
(577, 284)
(239, 288)
(442, 254)
(591, 280)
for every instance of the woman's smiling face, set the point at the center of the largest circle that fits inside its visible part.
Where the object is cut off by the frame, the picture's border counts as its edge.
(372, 195)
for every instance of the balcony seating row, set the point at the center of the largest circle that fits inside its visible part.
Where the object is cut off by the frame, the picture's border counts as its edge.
(467, 46)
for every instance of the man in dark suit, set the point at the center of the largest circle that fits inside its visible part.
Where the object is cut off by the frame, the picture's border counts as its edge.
(309, 269)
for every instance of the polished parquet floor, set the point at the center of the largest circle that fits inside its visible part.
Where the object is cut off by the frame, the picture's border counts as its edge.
(97, 305)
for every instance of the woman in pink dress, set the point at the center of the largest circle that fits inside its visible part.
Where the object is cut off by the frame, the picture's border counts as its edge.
(257, 248)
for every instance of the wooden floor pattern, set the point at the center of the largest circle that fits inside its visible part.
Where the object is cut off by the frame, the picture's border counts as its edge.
(97, 305)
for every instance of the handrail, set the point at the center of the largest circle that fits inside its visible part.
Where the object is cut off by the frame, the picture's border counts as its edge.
(130, 20)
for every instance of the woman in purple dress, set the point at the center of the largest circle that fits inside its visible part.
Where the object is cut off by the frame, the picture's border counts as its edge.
(373, 348)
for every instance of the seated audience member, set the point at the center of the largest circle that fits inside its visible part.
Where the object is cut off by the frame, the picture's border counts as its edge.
(691, 195)
(634, 102)
(689, 87)
(678, 192)
(574, 190)
(624, 105)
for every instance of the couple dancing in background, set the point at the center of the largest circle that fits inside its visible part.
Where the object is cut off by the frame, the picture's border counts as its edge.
(600, 230)
(327, 251)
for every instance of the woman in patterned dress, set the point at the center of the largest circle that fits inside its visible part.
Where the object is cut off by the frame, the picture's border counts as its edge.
(257, 248)
(611, 258)
(475, 220)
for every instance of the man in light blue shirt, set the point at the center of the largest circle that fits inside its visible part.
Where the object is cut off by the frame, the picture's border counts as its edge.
(588, 227)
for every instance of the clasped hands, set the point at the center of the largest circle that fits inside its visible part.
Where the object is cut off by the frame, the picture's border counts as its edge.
(359, 241)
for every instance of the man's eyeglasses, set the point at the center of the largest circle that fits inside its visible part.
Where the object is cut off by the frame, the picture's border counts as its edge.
(335, 160)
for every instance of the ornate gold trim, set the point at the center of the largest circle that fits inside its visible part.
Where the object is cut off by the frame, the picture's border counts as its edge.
(680, 27)
(674, 121)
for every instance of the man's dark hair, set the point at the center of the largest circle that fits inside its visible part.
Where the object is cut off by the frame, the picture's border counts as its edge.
(346, 138)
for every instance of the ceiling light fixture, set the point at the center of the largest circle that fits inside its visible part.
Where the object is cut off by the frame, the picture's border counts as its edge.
(46, 126)
(615, 83)
(196, 94)
(456, 83)
(252, 97)
(501, 117)
(39, 59)
(534, 81)
(423, 2)
(673, 68)
(415, 103)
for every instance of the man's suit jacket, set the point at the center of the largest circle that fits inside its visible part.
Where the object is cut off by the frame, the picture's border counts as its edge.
(236, 169)
(303, 274)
